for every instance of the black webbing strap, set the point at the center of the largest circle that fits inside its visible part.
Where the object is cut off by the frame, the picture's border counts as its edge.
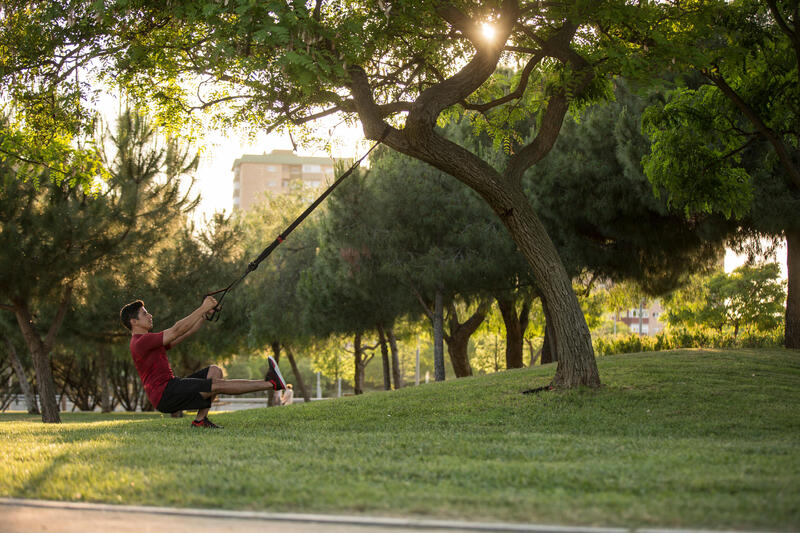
(214, 313)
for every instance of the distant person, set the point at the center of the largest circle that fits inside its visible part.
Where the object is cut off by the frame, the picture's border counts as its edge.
(287, 395)
(169, 394)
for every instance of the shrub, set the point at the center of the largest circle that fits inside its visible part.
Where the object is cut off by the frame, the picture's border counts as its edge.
(684, 338)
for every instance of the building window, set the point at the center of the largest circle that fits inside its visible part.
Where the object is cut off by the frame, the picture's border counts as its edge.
(312, 169)
(285, 183)
(272, 168)
(312, 184)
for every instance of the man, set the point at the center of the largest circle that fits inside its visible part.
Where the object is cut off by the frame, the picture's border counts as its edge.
(169, 394)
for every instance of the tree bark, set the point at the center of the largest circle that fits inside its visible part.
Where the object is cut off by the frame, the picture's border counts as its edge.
(534, 354)
(298, 377)
(549, 347)
(792, 334)
(515, 328)
(387, 373)
(397, 375)
(438, 336)
(458, 338)
(105, 387)
(40, 349)
(360, 365)
(19, 370)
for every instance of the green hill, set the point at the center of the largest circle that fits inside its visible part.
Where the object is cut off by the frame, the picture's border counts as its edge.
(686, 438)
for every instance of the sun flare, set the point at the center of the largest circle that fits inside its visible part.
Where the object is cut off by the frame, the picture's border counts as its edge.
(488, 31)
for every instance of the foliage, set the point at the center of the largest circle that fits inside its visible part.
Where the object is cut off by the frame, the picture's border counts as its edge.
(687, 338)
(692, 157)
(750, 297)
(601, 210)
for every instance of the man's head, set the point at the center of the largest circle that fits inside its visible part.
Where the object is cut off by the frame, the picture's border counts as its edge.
(134, 314)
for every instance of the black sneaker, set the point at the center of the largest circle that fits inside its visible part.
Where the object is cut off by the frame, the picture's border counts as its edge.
(205, 423)
(274, 375)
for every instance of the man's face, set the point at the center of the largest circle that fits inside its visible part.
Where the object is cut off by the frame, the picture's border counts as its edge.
(144, 319)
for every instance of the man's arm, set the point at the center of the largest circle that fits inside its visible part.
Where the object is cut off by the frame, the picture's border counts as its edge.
(183, 326)
(197, 325)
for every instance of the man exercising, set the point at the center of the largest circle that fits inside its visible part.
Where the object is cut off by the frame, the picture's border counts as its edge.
(169, 394)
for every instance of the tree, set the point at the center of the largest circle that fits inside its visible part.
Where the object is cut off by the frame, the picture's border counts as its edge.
(56, 231)
(345, 290)
(396, 68)
(750, 297)
(730, 144)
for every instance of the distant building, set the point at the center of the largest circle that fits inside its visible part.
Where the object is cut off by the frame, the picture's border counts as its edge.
(276, 173)
(651, 314)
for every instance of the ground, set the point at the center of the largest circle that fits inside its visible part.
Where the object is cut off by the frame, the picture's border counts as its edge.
(686, 438)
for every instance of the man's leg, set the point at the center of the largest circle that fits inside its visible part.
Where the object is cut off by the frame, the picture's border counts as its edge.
(236, 386)
(214, 372)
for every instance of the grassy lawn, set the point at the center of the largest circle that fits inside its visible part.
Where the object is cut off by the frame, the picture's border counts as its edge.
(686, 438)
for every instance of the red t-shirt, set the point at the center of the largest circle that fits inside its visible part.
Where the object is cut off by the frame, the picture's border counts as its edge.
(150, 357)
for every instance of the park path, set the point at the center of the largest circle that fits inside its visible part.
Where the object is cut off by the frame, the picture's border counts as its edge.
(35, 516)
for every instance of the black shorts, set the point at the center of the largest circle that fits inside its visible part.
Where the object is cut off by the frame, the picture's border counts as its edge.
(184, 393)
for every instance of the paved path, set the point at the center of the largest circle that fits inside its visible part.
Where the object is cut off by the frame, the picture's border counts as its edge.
(35, 516)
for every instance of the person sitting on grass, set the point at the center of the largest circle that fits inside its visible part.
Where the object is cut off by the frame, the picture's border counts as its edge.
(169, 394)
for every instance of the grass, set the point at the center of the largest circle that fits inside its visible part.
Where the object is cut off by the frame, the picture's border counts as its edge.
(686, 438)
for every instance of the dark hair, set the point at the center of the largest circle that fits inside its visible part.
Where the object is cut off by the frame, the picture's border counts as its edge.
(129, 312)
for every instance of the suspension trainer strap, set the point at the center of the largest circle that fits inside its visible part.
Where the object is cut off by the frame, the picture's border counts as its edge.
(214, 314)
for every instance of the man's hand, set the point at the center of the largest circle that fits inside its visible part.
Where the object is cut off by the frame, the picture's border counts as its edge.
(209, 303)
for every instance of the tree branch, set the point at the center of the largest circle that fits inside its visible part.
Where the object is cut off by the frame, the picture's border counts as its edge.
(545, 139)
(773, 7)
(752, 116)
(455, 89)
(425, 307)
(558, 47)
(517, 93)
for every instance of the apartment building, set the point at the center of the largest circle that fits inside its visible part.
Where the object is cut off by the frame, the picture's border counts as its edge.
(648, 318)
(275, 173)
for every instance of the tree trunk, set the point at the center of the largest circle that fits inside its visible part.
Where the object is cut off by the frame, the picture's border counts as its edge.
(549, 347)
(792, 335)
(458, 338)
(534, 354)
(360, 365)
(515, 329)
(387, 373)
(19, 370)
(299, 378)
(576, 362)
(276, 354)
(105, 388)
(397, 375)
(41, 364)
(438, 336)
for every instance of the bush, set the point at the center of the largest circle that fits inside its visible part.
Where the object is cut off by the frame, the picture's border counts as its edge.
(683, 338)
